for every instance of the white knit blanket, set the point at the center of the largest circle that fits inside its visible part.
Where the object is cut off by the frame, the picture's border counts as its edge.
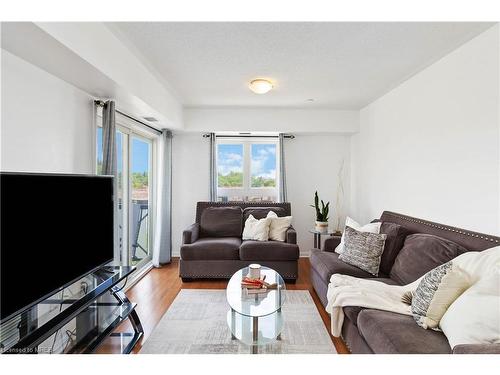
(350, 291)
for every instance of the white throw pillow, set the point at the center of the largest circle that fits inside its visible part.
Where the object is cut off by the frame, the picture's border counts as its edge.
(278, 226)
(474, 317)
(257, 230)
(370, 228)
(437, 290)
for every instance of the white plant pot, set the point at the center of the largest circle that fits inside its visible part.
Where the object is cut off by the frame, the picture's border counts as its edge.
(322, 226)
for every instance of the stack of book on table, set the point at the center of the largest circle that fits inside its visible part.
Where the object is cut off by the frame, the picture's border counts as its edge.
(254, 286)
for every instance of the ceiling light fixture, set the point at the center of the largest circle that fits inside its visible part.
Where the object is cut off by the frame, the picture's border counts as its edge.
(260, 86)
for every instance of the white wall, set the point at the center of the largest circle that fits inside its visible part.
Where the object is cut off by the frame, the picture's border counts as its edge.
(430, 148)
(95, 43)
(498, 108)
(90, 57)
(312, 158)
(271, 120)
(312, 163)
(47, 124)
(190, 181)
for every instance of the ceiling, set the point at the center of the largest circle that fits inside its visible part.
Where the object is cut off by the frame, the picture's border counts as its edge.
(338, 65)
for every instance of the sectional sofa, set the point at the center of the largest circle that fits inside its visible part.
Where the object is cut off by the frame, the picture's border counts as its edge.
(411, 250)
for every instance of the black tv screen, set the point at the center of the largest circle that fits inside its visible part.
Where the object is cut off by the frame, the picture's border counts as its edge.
(54, 230)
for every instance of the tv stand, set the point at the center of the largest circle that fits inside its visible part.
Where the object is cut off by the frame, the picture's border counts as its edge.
(77, 323)
(107, 269)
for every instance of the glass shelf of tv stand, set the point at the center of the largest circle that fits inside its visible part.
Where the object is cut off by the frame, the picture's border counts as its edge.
(82, 312)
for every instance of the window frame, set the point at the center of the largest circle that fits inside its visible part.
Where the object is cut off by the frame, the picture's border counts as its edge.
(247, 190)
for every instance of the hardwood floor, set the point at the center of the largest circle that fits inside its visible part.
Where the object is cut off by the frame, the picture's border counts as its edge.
(157, 290)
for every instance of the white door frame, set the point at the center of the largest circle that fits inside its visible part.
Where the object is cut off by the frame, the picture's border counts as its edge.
(131, 129)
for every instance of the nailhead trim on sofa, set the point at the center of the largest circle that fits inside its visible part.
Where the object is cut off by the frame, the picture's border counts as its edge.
(443, 227)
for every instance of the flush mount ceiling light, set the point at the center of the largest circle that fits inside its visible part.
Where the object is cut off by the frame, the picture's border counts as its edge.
(260, 86)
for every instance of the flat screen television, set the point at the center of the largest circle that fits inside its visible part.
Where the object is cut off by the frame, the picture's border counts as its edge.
(54, 229)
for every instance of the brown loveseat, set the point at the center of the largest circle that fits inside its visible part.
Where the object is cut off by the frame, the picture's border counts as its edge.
(412, 249)
(212, 247)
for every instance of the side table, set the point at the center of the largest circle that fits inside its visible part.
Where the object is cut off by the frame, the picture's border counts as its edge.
(318, 234)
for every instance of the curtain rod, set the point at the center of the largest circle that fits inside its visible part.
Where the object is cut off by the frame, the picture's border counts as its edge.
(288, 136)
(100, 103)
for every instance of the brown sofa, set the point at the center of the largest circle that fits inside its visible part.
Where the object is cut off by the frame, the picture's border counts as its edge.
(411, 250)
(212, 247)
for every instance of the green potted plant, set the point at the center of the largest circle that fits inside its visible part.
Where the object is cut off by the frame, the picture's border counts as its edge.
(321, 214)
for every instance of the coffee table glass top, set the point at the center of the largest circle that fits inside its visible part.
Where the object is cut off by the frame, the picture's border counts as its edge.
(260, 304)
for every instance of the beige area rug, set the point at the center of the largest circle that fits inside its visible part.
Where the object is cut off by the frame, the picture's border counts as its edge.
(196, 323)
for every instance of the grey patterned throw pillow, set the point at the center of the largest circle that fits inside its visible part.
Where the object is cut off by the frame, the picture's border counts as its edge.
(437, 290)
(363, 250)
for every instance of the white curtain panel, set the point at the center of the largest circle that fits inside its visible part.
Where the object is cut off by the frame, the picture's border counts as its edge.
(162, 249)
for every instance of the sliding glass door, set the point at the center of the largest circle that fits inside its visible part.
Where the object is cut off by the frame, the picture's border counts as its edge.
(134, 192)
(122, 192)
(141, 174)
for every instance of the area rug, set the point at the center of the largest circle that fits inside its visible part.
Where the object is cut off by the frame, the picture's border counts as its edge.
(196, 323)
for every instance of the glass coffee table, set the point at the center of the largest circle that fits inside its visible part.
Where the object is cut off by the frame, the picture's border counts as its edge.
(255, 319)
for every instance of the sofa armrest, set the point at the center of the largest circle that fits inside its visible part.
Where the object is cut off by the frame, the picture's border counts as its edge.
(190, 234)
(331, 243)
(291, 235)
(477, 349)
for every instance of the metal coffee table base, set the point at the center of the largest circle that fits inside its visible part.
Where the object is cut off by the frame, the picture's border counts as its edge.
(255, 331)
(255, 334)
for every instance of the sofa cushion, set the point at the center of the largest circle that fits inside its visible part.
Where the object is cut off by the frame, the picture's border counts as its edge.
(212, 249)
(269, 250)
(396, 235)
(261, 212)
(326, 264)
(420, 254)
(221, 222)
(391, 333)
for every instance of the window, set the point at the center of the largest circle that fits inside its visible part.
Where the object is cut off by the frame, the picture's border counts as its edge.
(99, 150)
(230, 165)
(141, 199)
(263, 165)
(135, 167)
(247, 169)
